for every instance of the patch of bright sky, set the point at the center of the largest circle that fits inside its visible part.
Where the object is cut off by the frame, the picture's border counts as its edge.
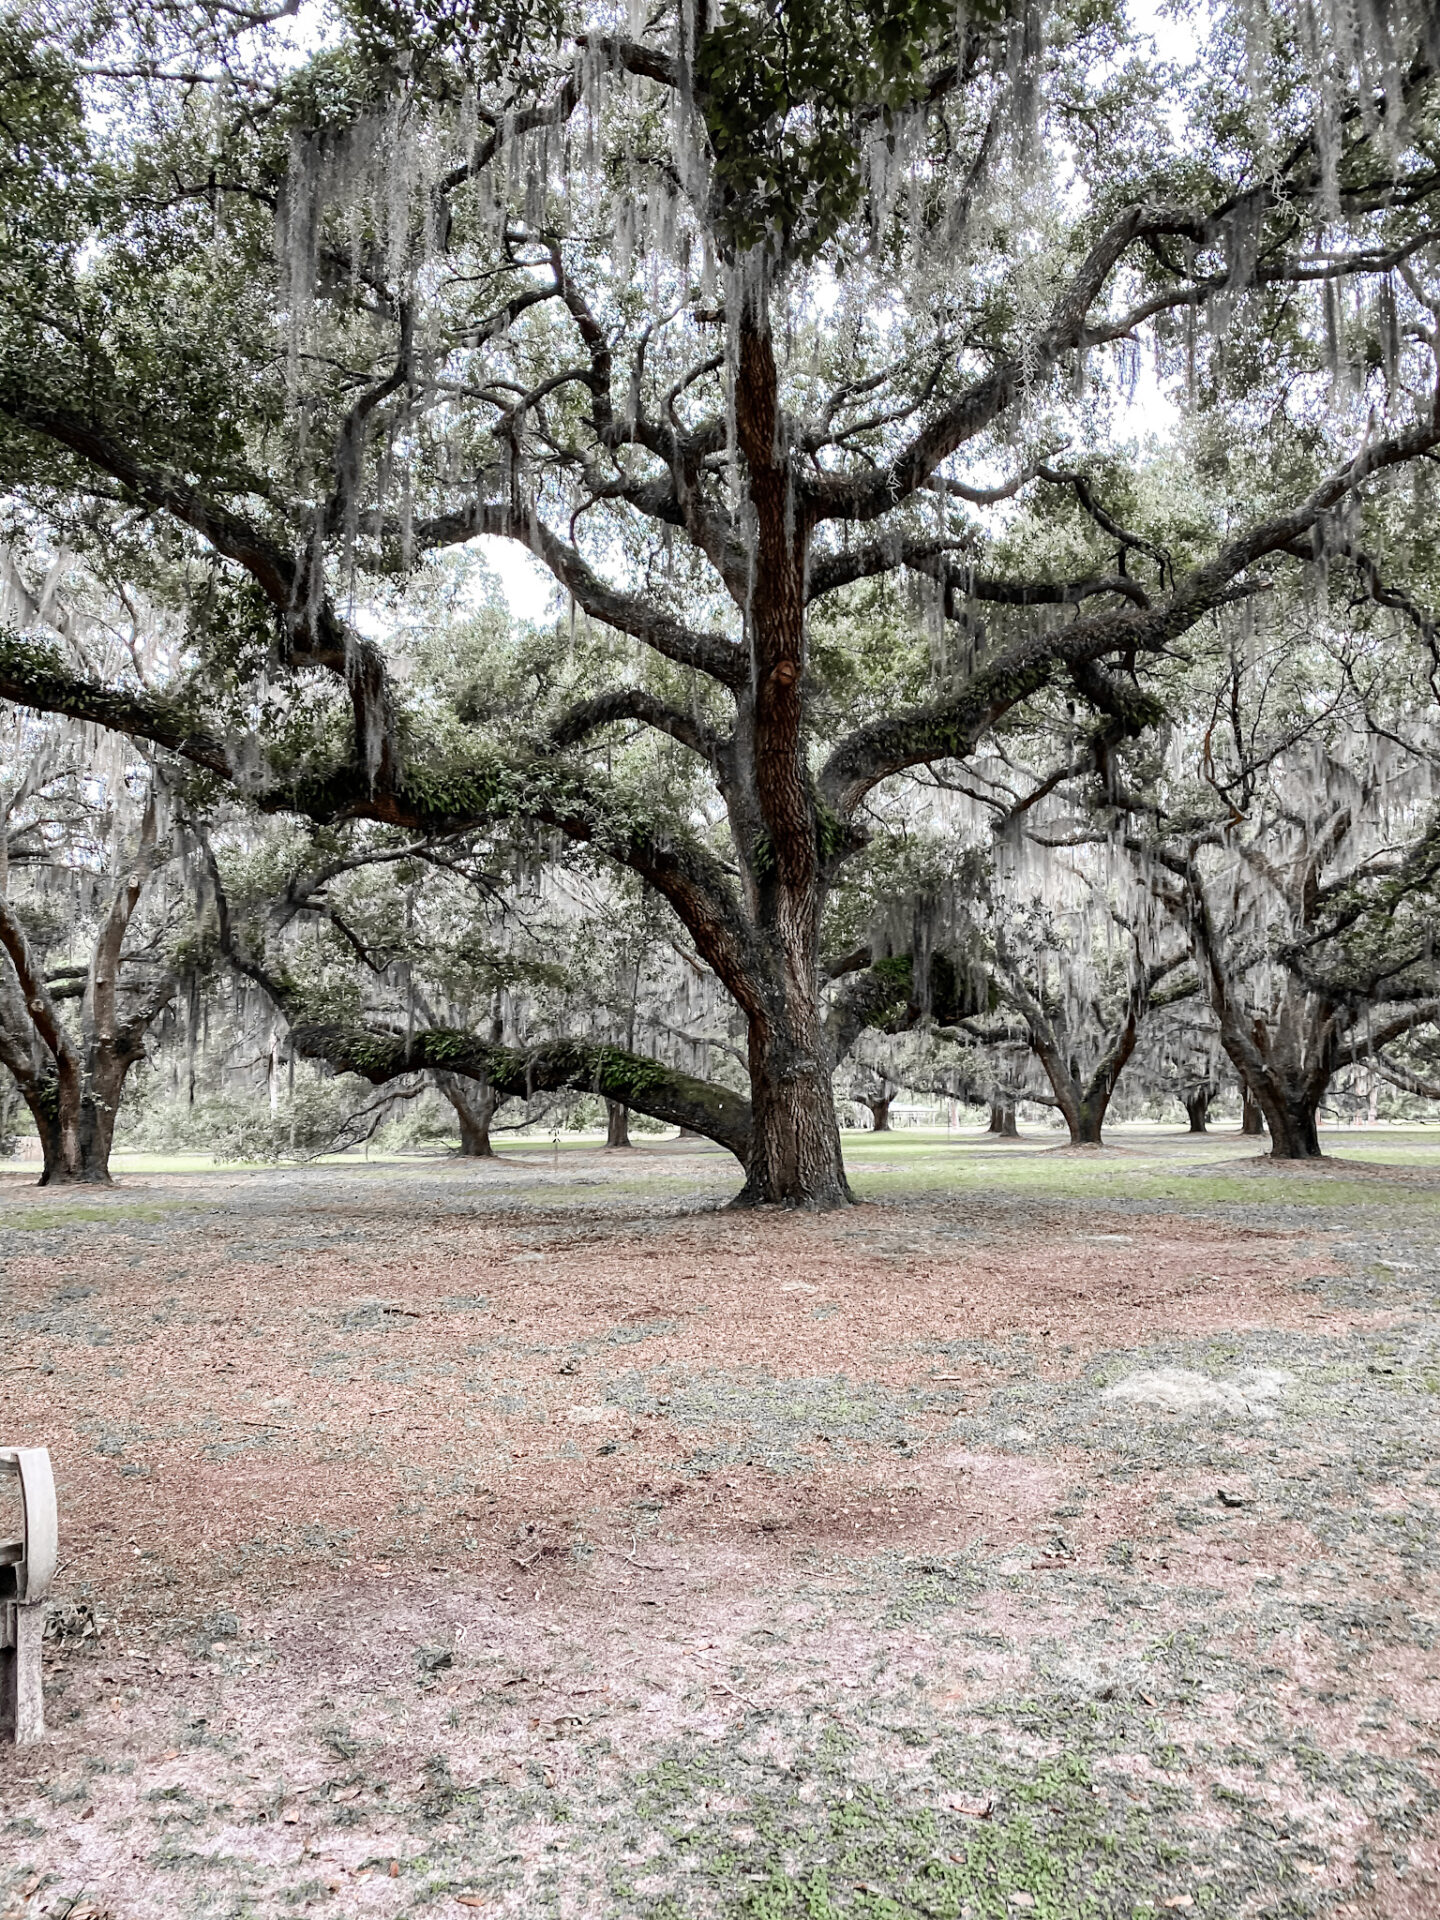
(1175, 29)
(530, 591)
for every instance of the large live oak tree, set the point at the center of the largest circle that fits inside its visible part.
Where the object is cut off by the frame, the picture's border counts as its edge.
(719, 322)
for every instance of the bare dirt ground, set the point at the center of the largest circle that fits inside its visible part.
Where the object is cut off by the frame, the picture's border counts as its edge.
(1050, 1536)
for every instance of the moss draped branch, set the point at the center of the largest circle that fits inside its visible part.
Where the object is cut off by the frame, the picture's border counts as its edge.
(951, 728)
(650, 1087)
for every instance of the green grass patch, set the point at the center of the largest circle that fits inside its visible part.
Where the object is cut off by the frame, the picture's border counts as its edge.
(40, 1219)
(812, 1842)
(1148, 1168)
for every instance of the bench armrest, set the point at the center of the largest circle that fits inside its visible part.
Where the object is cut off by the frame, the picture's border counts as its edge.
(37, 1496)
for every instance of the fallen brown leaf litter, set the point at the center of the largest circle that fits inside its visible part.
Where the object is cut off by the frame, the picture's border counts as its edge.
(933, 1559)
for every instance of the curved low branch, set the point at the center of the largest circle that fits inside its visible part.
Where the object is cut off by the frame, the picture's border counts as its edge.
(1403, 1077)
(679, 1099)
(665, 1093)
(1364, 1048)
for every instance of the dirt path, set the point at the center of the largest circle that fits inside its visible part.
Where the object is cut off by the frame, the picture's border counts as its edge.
(545, 1540)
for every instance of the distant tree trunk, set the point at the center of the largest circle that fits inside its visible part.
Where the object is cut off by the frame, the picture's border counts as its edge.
(617, 1124)
(72, 1083)
(1252, 1120)
(474, 1102)
(879, 1113)
(272, 1066)
(1002, 1120)
(1083, 1104)
(1284, 1058)
(1197, 1108)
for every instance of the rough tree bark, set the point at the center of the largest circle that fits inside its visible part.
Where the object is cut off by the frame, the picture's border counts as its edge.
(879, 1113)
(1197, 1107)
(1002, 1121)
(795, 1154)
(617, 1124)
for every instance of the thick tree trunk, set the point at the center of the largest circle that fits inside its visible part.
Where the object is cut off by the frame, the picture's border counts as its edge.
(1002, 1120)
(1286, 1083)
(879, 1115)
(1197, 1107)
(74, 1144)
(617, 1124)
(1252, 1120)
(795, 1157)
(474, 1141)
(1292, 1115)
(474, 1103)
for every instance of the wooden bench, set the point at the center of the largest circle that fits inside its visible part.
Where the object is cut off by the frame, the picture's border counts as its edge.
(27, 1566)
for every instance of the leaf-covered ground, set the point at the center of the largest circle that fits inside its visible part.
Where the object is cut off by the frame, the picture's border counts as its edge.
(1053, 1535)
